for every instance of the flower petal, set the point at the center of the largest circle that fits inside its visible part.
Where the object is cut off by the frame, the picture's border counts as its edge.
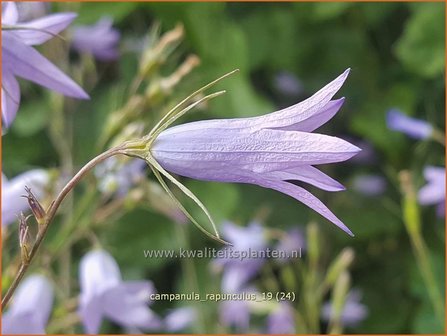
(414, 128)
(129, 308)
(309, 175)
(303, 196)
(98, 272)
(10, 15)
(91, 313)
(312, 112)
(10, 97)
(434, 174)
(26, 62)
(180, 318)
(260, 151)
(21, 325)
(38, 31)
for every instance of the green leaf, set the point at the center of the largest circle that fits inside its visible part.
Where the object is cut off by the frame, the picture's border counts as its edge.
(139, 230)
(421, 48)
(90, 12)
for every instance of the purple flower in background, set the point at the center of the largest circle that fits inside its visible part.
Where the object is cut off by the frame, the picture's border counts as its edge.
(293, 242)
(268, 151)
(29, 10)
(19, 59)
(237, 271)
(281, 320)
(353, 312)
(235, 313)
(434, 191)
(12, 201)
(118, 177)
(104, 294)
(30, 307)
(369, 185)
(180, 319)
(414, 128)
(99, 40)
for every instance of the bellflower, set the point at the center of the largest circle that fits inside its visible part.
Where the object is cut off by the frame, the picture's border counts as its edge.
(30, 307)
(12, 191)
(269, 151)
(104, 294)
(19, 59)
(353, 312)
(237, 272)
(434, 191)
(281, 320)
(99, 40)
(414, 128)
(235, 313)
(180, 319)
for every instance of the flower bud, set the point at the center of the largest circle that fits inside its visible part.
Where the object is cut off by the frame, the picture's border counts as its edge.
(35, 206)
(24, 238)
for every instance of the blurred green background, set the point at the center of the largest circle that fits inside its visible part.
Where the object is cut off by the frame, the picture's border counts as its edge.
(396, 52)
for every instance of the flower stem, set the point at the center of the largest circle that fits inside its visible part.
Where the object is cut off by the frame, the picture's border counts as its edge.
(51, 212)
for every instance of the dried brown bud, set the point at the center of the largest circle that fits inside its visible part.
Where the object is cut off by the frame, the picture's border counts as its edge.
(35, 206)
(24, 238)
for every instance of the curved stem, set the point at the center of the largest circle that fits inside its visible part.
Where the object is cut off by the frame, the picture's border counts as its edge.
(51, 212)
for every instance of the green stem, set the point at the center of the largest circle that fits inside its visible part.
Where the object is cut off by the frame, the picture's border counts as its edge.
(189, 270)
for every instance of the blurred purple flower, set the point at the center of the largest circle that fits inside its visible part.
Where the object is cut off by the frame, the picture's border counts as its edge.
(30, 307)
(291, 242)
(29, 10)
(104, 294)
(268, 151)
(281, 320)
(180, 319)
(353, 312)
(118, 177)
(235, 313)
(19, 59)
(414, 128)
(287, 84)
(369, 185)
(434, 191)
(12, 201)
(99, 40)
(236, 271)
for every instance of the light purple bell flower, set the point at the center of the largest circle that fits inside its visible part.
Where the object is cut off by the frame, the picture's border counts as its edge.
(369, 185)
(268, 150)
(414, 128)
(100, 40)
(105, 295)
(19, 59)
(235, 313)
(180, 318)
(281, 320)
(353, 312)
(12, 201)
(434, 191)
(30, 307)
(237, 271)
